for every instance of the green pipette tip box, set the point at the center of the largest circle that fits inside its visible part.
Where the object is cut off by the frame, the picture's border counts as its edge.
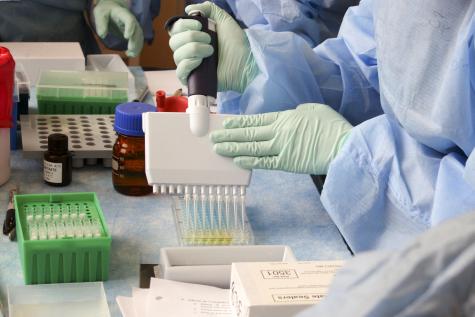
(75, 257)
(81, 92)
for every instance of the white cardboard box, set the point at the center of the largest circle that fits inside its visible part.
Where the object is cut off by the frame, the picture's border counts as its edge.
(39, 56)
(279, 289)
(211, 265)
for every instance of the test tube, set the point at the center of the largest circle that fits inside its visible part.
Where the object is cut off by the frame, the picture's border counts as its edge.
(42, 231)
(51, 230)
(60, 229)
(78, 228)
(56, 212)
(74, 212)
(47, 212)
(82, 211)
(29, 214)
(69, 228)
(38, 213)
(87, 228)
(33, 231)
(64, 213)
(96, 228)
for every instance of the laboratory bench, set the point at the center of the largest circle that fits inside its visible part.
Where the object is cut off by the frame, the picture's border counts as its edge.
(283, 208)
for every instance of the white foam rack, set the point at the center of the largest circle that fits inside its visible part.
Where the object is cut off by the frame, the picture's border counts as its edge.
(91, 137)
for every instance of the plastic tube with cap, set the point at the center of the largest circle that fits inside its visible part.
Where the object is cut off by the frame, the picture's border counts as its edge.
(7, 81)
(7, 77)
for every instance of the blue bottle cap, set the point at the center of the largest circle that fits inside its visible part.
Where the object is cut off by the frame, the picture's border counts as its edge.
(128, 118)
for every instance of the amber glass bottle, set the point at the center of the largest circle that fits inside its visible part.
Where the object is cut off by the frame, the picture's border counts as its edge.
(57, 161)
(128, 154)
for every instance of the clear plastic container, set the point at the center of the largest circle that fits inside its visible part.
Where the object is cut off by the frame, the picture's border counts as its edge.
(81, 92)
(58, 300)
(111, 63)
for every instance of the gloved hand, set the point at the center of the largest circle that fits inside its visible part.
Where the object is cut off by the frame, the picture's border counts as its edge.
(302, 140)
(236, 64)
(114, 16)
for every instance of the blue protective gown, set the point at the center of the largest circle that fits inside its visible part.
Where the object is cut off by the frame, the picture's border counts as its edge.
(314, 20)
(433, 276)
(38, 21)
(403, 171)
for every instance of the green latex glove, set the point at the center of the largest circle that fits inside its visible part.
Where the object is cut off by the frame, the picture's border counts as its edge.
(236, 64)
(302, 140)
(114, 16)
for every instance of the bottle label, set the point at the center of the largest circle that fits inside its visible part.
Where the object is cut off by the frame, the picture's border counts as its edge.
(115, 164)
(53, 172)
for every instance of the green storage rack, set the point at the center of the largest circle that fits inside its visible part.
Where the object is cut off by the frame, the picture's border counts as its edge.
(81, 92)
(58, 254)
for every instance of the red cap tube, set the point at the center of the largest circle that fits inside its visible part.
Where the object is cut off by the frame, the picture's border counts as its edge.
(7, 78)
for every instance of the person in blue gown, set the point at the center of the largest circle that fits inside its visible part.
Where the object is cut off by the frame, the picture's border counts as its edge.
(399, 78)
(386, 110)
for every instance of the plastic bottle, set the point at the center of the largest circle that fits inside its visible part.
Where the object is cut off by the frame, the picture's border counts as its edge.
(58, 161)
(7, 73)
(128, 154)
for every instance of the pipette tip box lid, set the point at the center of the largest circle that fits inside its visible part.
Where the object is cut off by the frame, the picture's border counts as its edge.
(76, 242)
(58, 300)
(42, 56)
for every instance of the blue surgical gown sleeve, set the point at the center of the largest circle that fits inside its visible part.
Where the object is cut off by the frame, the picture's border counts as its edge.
(385, 187)
(432, 276)
(340, 72)
(412, 168)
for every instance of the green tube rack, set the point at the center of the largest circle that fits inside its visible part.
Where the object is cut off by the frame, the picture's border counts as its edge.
(79, 255)
(81, 92)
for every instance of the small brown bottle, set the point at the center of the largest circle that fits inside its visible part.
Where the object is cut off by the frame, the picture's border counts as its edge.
(128, 154)
(57, 161)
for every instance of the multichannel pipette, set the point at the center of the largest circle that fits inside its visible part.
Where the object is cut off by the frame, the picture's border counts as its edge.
(202, 81)
(179, 157)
